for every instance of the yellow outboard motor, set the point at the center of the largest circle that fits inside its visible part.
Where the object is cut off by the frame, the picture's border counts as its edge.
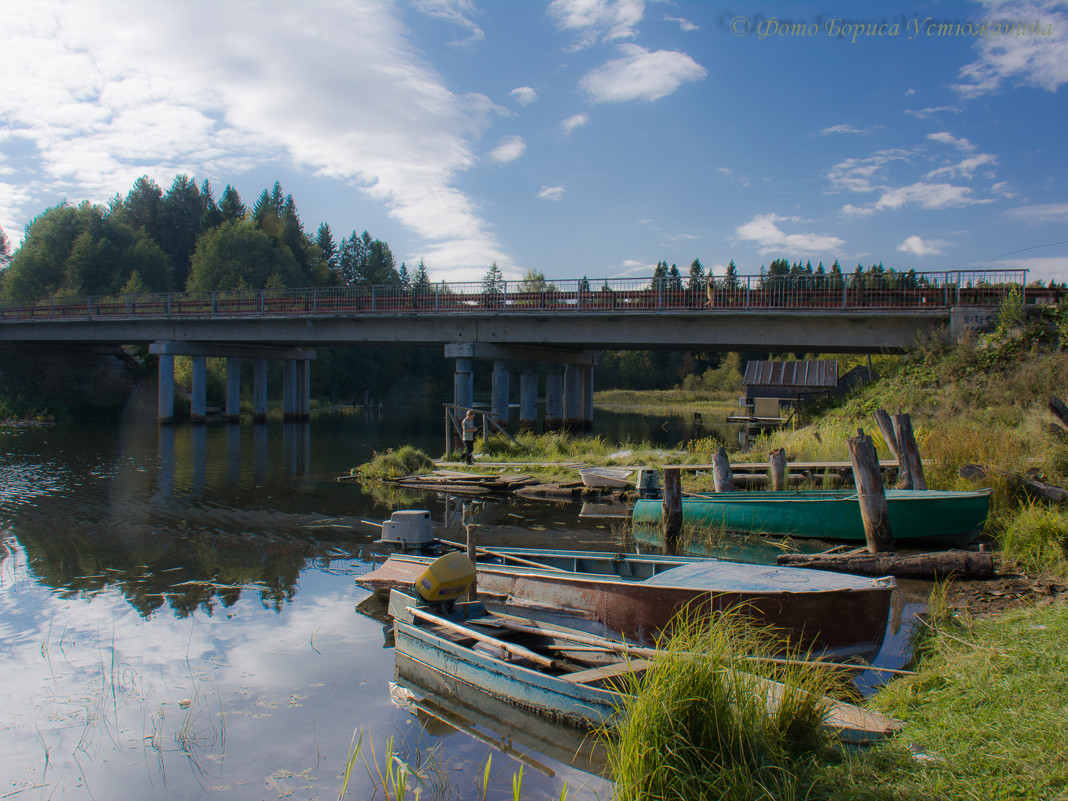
(446, 578)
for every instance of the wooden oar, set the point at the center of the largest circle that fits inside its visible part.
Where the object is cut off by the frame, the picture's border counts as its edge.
(512, 648)
(502, 555)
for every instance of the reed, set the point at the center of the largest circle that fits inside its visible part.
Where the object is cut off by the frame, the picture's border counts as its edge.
(403, 461)
(697, 725)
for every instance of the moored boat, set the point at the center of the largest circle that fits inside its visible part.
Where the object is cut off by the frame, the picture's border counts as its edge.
(606, 477)
(915, 515)
(542, 668)
(638, 594)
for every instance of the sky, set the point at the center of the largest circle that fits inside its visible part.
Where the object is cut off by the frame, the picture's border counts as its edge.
(572, 137)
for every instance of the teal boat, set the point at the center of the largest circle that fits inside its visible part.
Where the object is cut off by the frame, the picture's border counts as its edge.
(915, 515)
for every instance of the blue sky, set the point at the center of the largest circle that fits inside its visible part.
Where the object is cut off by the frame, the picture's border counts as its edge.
(573, 137)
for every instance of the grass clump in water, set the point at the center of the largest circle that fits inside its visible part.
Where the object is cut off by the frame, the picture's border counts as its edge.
(403, 461)
(697, 725)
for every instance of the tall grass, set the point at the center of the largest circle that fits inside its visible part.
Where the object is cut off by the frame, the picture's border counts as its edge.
(403, 461)
(702, 723)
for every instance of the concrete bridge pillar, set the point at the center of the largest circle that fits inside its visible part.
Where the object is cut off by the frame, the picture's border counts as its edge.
(198, 411)
(259, 391)
(554, 397)
(233, 390)
(165, 401)
(289, 389)
(463, 387)
(587, 394)
(528, 396)
(572, 395)
(500, 392)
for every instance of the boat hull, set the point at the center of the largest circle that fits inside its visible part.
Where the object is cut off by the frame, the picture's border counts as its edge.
(915, 515)
(826, 612)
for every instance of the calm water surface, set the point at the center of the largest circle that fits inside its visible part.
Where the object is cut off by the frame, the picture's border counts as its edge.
(178, 617)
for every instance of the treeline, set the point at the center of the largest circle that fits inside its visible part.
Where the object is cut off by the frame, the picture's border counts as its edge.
(185, 240)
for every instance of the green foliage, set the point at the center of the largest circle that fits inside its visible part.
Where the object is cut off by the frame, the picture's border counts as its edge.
(696, 724)
(404, 461)
(1037, 536)
(237, 255)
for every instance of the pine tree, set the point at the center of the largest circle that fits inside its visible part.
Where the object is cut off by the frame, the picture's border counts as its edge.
(324, 240)
(422, 279)
(405, 281)
(732, 274)
(230, 205)
(697, 275)
(212, 215)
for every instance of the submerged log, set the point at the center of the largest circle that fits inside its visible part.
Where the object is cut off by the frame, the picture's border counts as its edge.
(939, 564)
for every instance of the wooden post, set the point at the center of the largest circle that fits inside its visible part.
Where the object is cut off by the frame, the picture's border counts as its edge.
(910, 452)
(672, 511)
(777, 467)
(870, 494)
(886, 426)
(448, 432)
(472, 549)
(1058, 410)
(721, 471)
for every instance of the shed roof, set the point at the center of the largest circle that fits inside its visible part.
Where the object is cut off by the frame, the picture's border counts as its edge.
(819, 374)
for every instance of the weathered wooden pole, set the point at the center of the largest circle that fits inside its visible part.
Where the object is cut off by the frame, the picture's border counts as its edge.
(721, 471)
(886, 426)
(672, 511)
(910, 451)
(870, 493)
(777, 468)
(472, 549)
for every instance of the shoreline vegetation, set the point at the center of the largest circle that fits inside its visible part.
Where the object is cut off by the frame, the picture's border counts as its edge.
(984, 715)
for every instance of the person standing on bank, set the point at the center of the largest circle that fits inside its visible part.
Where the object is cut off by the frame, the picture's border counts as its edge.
(469, 436)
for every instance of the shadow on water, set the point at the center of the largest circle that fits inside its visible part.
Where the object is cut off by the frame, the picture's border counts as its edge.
(177, 606)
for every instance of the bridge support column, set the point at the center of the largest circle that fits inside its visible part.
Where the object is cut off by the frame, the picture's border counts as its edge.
(587, 394)
(289, 389)
(500, 392)
(463, 385)
(233, 390)
(554, 397)
(304, 389)
(528, 397)
(198, 411)
(165, 401)
(572, 395)
(259, 391)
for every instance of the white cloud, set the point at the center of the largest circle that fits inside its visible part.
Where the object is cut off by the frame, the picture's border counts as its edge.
(924, 113)
(524, 95)
(928, 196)
(551, 192)
(610, 20)
(107, 91)
(849, 210)
(573, 122)
(458, 12)
(947, 138)
(510, 148)
(965, 168)
(1041, 214)
(844, 128)
(763, 230)
(684, 24)
(863, 174)
(1031, 45)
(641, 75)
(916, 246)
(1042, 268)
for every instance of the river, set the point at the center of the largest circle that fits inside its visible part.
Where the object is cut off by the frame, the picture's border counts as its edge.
(178, 616)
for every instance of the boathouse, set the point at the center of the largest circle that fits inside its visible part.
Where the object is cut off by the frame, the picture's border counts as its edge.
(792, 382)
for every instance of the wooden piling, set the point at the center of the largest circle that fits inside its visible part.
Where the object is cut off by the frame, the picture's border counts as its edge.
(472, 552)
(870, 493)
(777, 468)
(672, 516)
(721, 471)
(910, 451)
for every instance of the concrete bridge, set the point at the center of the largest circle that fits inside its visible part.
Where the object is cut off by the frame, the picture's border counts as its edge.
(560, 323)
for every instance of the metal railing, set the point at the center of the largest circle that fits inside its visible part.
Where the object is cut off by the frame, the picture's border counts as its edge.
(846, 292)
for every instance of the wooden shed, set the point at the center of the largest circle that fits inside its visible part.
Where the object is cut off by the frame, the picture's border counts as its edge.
(790, 381)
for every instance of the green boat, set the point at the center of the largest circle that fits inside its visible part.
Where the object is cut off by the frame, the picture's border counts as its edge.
(915, 515)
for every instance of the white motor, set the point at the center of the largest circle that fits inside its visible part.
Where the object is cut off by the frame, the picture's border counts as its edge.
(408, 530)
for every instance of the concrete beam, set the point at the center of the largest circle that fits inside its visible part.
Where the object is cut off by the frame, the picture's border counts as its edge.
(519, 353)
(214, 349)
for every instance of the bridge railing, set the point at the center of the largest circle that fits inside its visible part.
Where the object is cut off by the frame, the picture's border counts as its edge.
(846, 292)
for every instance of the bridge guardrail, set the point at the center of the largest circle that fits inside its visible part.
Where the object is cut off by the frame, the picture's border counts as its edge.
(846, 293)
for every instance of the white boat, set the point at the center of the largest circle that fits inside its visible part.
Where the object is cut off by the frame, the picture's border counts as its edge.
(606, 477)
